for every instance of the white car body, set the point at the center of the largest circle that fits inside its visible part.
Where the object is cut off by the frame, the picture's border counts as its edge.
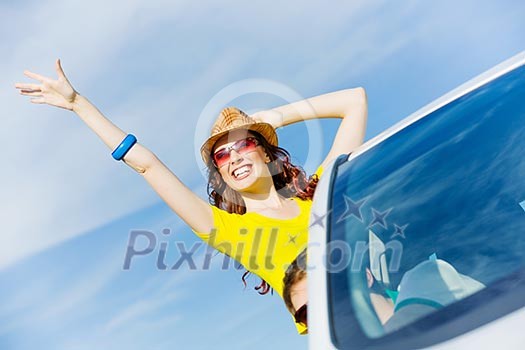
(505, 332)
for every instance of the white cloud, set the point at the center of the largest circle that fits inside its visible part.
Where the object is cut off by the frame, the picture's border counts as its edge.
(47, 304)
(137, 310)
(61, 170)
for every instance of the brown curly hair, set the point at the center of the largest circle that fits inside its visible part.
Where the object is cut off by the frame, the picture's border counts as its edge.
(295, 273)
(289, 180)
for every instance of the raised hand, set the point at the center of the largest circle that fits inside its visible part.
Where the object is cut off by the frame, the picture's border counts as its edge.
(271, 117)
(57, 93)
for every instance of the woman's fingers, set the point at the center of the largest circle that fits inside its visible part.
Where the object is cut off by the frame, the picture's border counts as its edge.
(39, 100)
(31, 92)
(59, 69)
(23, 86)
(35, 76)
(29, 89)
(50, 91)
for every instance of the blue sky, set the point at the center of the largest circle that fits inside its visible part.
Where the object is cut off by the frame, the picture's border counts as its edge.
(161, 69)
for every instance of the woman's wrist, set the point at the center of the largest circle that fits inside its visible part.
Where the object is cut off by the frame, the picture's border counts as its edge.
(78, 102)
(270, 116)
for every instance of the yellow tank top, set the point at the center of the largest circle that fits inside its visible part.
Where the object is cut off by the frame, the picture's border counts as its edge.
(265, 246)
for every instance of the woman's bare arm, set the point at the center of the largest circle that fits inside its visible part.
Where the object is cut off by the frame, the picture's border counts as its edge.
(188, 206)
(349, 105)
(192, 209)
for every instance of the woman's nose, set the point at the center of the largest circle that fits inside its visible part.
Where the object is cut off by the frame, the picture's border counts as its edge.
(235, 156)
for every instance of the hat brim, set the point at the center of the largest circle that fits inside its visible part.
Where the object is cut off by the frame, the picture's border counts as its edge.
(266, 130)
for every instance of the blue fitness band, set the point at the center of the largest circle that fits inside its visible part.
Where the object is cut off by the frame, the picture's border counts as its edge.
(124, 147)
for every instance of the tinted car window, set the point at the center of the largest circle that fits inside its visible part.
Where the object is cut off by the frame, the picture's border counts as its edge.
(434, 220)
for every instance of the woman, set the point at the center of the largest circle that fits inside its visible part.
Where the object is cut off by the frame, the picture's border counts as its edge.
(295, 291)
(260, 202)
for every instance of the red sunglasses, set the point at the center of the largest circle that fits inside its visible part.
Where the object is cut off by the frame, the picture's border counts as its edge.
(301, 315)
(243, 146)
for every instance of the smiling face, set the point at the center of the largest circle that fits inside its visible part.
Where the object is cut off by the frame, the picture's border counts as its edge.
(246, 169)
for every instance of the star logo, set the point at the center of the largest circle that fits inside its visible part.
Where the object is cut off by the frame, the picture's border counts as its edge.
(400, 231)
(291, 239)
(352, 208)
(318, 219)
(379, 218)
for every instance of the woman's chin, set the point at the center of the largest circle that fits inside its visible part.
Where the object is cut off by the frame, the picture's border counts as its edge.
(240, 185)
(251, 184)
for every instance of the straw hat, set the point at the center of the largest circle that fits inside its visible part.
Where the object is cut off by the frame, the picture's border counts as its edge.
(232, 118)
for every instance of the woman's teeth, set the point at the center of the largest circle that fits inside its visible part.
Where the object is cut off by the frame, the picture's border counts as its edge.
(241, 172)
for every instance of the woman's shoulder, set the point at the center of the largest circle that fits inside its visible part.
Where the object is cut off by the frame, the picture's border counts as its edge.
(301, 200)
(222, 220)
(223, 213)
(319, 171)
(304, 204)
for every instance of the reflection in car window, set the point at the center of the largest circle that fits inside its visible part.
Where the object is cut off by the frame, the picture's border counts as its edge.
(429, 286)
(439, 206)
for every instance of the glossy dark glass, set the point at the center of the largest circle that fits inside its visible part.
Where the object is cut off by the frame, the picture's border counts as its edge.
(452, 185)
(301, 315)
